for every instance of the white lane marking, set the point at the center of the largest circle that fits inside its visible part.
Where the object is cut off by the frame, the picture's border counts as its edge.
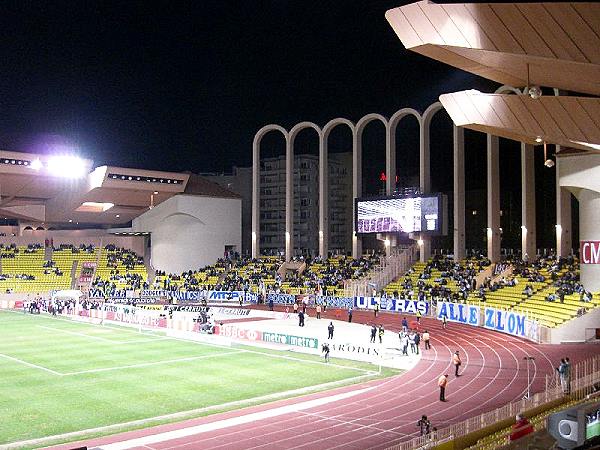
(154, 363)
(226, 423)
(35, 366)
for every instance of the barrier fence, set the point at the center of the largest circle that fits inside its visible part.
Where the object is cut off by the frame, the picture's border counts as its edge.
(585, 376)
(390, 268)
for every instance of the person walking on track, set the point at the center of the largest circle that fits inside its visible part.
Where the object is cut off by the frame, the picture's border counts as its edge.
(442, 383)
(426, 340)
(457, 362)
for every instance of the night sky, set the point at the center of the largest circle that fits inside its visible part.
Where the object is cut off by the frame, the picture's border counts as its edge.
(185, 85)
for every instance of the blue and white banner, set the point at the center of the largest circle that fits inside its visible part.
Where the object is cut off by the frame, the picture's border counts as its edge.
(459, 312)
(511, 322)
(281, 298)
(229, 296)
(335, 302)
(392, 304)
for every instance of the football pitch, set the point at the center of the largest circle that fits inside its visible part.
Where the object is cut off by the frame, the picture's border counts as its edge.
(58, 376)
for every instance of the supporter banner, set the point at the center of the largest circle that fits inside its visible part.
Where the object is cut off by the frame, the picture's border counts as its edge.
(281, 298)
(187, 296)
(154, 293)
(511, 322)
(392, 304)
(87, 272)
(286, 339)
(150, 307)
(131, 315)
(231, 311)
(229, 296)
(590, 252)
(459, 312)
(335, 302)
(100, 293)
(234, 332)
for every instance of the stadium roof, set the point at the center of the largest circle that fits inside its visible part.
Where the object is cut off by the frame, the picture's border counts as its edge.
(63, 190)
(521, 44)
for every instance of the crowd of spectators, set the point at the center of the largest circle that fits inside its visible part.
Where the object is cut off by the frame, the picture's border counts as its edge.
(437, 289)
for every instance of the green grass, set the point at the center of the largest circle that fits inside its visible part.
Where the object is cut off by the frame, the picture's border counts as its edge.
(59, 376)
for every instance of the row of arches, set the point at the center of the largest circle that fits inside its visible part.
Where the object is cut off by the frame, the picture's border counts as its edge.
(357, 129)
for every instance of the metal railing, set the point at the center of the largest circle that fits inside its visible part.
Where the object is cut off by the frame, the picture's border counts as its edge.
(390, 268)
(584, 375)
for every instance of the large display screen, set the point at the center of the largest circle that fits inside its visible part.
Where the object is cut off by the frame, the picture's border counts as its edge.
(398, 215)
(592, 424)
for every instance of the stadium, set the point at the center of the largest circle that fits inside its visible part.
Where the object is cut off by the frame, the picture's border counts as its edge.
(285, 307)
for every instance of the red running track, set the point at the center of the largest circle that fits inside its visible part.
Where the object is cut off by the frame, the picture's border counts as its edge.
(493, 373)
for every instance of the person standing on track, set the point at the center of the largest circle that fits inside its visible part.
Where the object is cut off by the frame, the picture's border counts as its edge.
(417, 341)
(381, 332)
(426, 340)
(300, 319)
(330, 331)
(350, 314)
(373, 333)
(318, 311)
(442, 383)
(457, 362)
(404, 325)
(444, 320)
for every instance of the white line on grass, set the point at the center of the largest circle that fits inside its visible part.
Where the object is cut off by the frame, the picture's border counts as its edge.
(154, 363)
(75, 333)
(35, 366)
(100, 338)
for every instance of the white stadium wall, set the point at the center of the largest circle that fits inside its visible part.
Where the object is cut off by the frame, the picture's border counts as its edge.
(189, 232)
(580, 173)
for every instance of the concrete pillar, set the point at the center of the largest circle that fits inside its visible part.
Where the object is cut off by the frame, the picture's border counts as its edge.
(424, 182)
(289, 199)
(589, 218)
(528, 231)
(255, 199)
(564, 237)
(459, 193)
(323, 197)
(493, 198)
(356, 187)
(390, 160)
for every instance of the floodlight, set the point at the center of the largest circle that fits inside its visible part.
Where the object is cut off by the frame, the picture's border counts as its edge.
(535, 92)
(36, 164)
(66, 166)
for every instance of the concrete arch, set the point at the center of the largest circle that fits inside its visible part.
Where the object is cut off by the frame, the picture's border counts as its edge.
(390, 160)
(289, 182)
(329, 126)
(430, 112)
(367, 119)
(323, 181)
(302, 126)
(357, 165)
(256, 182)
